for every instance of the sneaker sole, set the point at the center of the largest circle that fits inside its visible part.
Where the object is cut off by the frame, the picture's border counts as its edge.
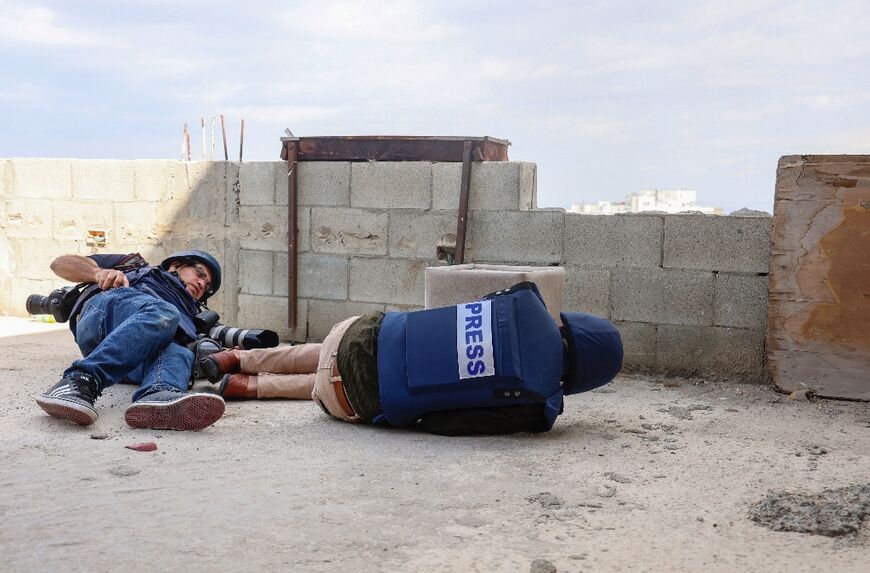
(191, 412)
(67, 410)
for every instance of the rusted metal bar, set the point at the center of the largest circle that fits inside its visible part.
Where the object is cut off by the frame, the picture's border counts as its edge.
(290, 150)
(224, 132)
(462, 216)
(241, 140)
(398, 148)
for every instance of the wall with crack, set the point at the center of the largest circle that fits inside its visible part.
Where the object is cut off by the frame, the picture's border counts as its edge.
(688, 292)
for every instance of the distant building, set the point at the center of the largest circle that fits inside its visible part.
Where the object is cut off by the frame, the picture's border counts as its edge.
(663, 200)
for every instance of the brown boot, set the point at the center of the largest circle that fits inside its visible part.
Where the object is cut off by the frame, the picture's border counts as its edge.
(238, 387)
(216, 365)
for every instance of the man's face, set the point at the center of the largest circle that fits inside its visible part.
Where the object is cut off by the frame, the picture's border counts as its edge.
(196, 278)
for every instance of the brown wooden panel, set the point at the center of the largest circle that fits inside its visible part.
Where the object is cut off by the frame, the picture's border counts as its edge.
(819, 286)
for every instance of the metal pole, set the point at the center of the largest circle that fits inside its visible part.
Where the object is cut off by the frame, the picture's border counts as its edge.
(224, 132)
(292, 234)
(212, 138)
(464, 189)
(202, 138)
(242, 141)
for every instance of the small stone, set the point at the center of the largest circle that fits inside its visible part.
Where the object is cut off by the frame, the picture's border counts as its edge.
(123, 471)
(546, 499)
(613, 476)
(542, 566)
(99, 436)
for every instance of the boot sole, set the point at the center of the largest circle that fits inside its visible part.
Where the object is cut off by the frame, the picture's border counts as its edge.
(190, 412)
(211, 370)
(67, 410)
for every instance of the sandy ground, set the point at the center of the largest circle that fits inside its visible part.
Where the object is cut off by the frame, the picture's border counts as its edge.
(643, 475)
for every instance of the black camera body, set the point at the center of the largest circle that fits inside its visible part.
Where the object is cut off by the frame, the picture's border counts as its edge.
(59, 302)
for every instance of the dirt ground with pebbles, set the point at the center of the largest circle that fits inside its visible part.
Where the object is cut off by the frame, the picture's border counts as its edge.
(645, 474)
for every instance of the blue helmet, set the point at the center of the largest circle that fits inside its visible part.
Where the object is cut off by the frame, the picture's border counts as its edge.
(594, 352)
(202, 257)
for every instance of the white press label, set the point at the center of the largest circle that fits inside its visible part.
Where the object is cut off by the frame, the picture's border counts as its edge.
(474, 339)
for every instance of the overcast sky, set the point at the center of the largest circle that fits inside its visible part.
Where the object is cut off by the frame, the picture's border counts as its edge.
(607, 97)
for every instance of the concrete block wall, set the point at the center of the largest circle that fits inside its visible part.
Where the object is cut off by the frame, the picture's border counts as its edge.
(153, 207)
(367, 232)
(688, 292)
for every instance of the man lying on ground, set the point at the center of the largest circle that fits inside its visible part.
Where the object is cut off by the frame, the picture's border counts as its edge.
(498, 365)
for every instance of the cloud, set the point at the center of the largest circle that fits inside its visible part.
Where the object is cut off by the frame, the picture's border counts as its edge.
(380, 21)
(30, 24)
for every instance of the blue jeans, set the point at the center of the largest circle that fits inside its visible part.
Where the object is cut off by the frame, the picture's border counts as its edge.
(127, 335)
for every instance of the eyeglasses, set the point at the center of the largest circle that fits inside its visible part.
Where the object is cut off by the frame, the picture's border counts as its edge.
(202, 273)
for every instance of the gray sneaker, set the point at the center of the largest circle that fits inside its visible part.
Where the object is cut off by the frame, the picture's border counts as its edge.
(174, 410)
(72, 399)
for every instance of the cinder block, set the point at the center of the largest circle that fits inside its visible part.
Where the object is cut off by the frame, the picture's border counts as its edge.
(523, 237)
(350, 231)
(323, 315)
(28, 218)
(456, 284)
(639, 346)
(528, 185)
(197, 197)
(391, 185)
(258, 180)
(8, 261)
(135, 222)
(5, 296)
(209, 177)
(106, 180)
(270, 312)
(5, 182)
(662, 296)
(233, 192)
(418, 234)
(613, 240)
(725, 353)
(318, 183)
(265, 228)
(31, 258)
(151, 179)
(320, 276)
(255, 272)
(495, 185)
(41, 178)
(395, 281)
(403, 307)
(741, 301)
(73, 219)
(587, 289)
(709, 242)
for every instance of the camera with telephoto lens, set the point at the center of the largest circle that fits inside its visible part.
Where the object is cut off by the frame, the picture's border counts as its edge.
(59, 302)
(230, 337)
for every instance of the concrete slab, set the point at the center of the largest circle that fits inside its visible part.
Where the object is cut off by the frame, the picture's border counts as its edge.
(349, 231)
(628, 479)
(662, 296)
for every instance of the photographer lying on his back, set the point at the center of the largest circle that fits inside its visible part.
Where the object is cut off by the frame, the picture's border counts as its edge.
(132, 324)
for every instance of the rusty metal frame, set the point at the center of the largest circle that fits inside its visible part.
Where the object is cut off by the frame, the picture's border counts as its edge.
(462, 214)
(291, 148)
(381, 148)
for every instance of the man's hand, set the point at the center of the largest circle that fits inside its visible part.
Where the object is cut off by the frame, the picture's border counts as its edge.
(110, 278)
